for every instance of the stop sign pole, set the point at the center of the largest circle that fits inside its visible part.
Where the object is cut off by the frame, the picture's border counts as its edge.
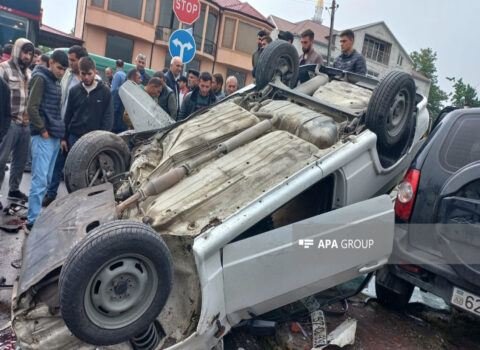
(187, 11)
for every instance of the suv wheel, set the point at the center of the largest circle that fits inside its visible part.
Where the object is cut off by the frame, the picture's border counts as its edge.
(392, 291)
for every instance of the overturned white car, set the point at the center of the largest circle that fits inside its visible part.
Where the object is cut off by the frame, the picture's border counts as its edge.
(207, 221)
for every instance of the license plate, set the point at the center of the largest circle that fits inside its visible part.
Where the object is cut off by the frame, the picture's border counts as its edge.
(466, 300)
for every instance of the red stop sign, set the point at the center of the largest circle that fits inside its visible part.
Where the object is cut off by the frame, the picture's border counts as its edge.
(187, 11)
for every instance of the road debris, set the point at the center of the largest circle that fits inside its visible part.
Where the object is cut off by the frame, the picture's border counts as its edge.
(319, 327)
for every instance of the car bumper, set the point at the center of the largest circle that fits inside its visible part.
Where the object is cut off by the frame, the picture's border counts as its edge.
(433, 274)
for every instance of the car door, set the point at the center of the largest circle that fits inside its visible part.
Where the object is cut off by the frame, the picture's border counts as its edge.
(458, 217)
(274, 268)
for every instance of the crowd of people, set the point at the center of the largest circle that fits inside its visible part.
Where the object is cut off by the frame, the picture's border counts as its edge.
(49, 102)
(349, 60)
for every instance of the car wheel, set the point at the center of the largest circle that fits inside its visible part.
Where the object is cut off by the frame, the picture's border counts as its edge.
(392, 291)
(97, 157)
(115, 282)
(390, 113)
(278, 59)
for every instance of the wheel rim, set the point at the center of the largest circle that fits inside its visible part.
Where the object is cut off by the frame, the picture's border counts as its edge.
(121, 291)
(284, 69)
(398, 113)
(103, 166)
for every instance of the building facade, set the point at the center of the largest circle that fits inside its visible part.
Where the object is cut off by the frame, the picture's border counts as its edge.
(225, 33)
(383, 52)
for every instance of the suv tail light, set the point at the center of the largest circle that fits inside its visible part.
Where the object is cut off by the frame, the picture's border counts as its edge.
(407, 190)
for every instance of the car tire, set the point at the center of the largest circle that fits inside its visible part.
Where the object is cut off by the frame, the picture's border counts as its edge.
(115, 282)
(278, 58)
(390, 113)
(88, 153)
(392, 291)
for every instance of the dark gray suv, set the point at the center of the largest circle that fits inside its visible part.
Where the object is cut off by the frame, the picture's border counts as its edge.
(437, 234)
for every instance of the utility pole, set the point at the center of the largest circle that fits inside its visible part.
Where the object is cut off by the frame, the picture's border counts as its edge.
(332, 19)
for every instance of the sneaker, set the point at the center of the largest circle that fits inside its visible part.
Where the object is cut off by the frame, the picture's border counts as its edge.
(17, 195)
(27, 227)
(47, 200)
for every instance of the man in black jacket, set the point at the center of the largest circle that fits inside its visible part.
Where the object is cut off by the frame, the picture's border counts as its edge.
(171, 76)
(201, 97)
(89, 108)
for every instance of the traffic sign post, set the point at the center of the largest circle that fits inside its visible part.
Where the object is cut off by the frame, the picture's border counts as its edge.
(182, 44)
(187, 11)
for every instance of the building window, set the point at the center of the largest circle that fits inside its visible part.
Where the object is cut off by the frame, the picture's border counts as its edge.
(198, 29)
(167, 21)
(246, 38)
(209, 45)
(150, 11)
(228, 32)
(372, 74)
(376, 50)
(12, 27)
(241, 77)
(193, 64)
(131, 8)
(399, 60)
(119, 48)
(168, 59)
(98, 3)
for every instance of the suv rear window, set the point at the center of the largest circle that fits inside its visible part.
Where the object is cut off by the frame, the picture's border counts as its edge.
(462, 144)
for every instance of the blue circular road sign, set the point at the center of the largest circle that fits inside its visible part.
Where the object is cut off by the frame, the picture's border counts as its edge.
(182, 44)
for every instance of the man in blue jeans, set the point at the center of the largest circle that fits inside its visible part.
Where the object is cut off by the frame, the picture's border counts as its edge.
(46, 128)
(69, 80)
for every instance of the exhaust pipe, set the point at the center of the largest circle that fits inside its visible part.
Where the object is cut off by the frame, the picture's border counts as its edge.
(174, 176)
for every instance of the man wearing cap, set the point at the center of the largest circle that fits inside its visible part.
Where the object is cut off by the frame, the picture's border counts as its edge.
(193, 75)
(16, 74)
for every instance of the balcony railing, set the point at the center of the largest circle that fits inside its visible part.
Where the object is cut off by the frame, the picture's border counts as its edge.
(163, 33)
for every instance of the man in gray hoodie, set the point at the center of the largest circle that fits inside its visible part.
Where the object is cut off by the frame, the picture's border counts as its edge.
(16, 141)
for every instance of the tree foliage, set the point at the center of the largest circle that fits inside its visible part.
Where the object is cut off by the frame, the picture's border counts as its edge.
(464, 94)
(424, 62)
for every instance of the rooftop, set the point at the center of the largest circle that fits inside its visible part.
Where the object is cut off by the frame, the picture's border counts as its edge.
(320, 31)
(244, 8)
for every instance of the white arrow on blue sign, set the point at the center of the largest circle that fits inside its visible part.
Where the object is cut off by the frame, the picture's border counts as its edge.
(182, 44)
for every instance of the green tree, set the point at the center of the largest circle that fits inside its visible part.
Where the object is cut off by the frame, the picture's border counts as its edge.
(464, 94)
(424, 62)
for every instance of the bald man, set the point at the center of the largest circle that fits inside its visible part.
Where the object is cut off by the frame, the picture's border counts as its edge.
(231, 85)
(173, 73)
